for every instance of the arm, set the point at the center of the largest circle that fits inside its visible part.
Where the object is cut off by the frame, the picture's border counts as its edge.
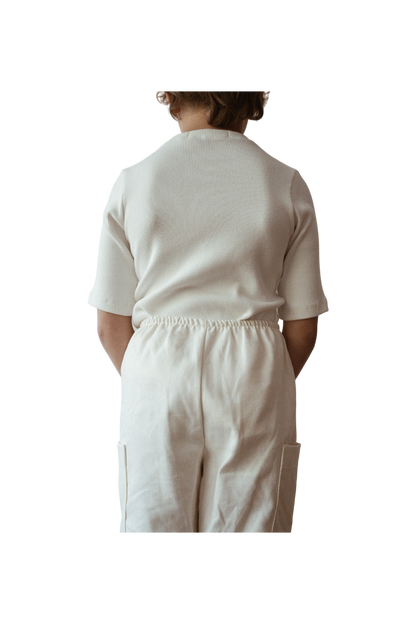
(300, 337)
(114, 332)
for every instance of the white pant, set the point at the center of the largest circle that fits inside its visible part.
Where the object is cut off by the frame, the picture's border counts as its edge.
(207, 428)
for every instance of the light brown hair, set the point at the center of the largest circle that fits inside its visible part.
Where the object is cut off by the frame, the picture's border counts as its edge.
(224, 108)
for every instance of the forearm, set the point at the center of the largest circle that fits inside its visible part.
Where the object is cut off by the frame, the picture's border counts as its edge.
(114, 344)
(301, 350)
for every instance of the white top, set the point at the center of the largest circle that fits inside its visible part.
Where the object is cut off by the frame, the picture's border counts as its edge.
(209, 226)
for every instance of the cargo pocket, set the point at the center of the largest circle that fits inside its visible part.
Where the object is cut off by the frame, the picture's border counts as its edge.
(286, 489)
(122, 484)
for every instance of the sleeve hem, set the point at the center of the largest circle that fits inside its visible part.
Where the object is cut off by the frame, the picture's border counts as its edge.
(113, 307)
(305, 313)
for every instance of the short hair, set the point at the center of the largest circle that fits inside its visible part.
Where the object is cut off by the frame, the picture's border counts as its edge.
(224, 108)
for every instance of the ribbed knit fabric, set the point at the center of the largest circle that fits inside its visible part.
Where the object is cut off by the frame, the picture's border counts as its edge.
(209, 226)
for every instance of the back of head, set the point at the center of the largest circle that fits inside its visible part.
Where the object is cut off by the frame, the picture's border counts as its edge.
(224, 108)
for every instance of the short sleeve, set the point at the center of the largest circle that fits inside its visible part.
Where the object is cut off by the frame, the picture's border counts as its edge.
(300, 284)
(115, 280)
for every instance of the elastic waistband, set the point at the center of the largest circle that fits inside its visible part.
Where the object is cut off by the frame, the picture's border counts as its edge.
(195, 322)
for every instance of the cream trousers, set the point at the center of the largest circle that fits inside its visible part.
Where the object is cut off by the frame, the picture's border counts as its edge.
(207, 428)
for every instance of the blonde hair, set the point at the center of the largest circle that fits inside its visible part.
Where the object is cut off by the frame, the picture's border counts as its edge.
(224, 108)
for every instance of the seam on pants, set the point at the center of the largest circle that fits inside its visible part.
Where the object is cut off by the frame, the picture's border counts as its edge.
(278, 488)
(127, 488)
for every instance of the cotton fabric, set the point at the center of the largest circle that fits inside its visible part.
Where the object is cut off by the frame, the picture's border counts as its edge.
(206, 244)
(207, 428)
(209, 226)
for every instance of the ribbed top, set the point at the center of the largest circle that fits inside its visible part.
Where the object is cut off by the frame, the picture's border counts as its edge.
(211, 227)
